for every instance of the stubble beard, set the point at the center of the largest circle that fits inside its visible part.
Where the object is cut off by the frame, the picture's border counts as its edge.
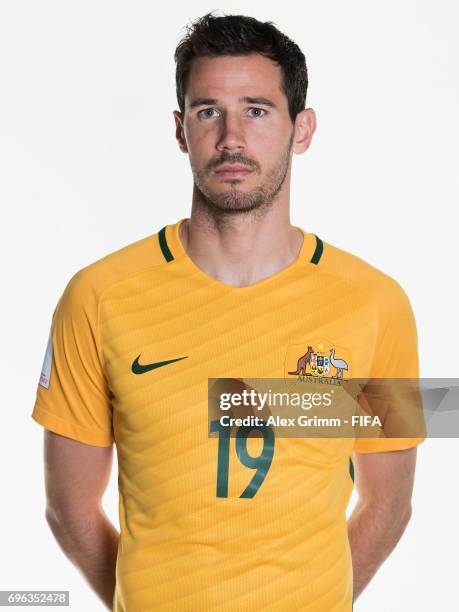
(236, 201)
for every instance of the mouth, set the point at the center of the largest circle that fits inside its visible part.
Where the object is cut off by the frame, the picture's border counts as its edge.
(232, 171)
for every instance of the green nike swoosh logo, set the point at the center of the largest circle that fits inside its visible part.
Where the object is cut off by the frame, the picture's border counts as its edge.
(138, 368)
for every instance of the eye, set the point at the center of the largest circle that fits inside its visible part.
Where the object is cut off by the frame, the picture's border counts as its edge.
(258, 111)
(204, 114)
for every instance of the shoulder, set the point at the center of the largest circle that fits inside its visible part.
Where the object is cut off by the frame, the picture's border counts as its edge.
(89, 284)
(384, 290)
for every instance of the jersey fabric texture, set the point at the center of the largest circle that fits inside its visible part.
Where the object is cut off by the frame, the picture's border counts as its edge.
(135, 337)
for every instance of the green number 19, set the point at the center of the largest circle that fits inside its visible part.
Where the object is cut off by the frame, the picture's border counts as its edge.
(261, 464)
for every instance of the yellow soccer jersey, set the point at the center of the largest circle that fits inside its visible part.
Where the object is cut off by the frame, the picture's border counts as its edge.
(135, 337)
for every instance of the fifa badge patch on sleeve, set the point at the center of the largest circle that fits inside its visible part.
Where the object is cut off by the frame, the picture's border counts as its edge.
(47, 363)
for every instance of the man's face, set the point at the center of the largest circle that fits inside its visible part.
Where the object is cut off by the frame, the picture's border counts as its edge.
(237, 131)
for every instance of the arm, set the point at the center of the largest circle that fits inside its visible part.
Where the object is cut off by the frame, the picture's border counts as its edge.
(76, 476)
(384, 483)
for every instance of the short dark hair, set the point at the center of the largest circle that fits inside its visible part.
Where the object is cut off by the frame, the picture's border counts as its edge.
(214, 36)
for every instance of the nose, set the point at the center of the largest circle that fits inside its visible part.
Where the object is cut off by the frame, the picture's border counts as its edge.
(231, 136)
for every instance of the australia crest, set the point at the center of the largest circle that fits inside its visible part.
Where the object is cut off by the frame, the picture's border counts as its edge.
(316, 360)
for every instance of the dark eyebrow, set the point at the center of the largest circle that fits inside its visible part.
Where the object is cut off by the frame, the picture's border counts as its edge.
(245, 100)
(203, 102)
(259, 100)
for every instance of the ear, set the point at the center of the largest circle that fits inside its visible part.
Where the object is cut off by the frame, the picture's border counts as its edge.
(305, 125)
(179, 131)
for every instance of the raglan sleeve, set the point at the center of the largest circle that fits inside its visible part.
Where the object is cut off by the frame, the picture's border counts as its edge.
(73, 397)
(396, 361)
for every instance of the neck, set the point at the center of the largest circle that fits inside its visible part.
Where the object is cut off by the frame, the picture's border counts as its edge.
(241, 249)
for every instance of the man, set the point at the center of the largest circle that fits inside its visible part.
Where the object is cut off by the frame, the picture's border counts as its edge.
(233, 291)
